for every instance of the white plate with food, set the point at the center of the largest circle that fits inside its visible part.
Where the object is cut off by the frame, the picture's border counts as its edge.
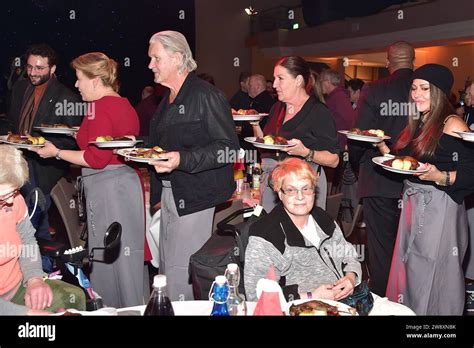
(57, 129)
(400, 164)
(370, 136)
(256, 117)
(319, 307)
(269, 142)
(467, 136)
(143, 155)
(22, 142)
(110, 142)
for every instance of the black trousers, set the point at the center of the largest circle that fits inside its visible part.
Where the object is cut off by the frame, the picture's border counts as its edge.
(381, 216)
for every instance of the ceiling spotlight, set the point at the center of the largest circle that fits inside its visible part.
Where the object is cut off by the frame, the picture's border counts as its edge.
(251, 11)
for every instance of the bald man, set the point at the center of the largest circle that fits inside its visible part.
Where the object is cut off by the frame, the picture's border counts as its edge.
(262, 101)
(379, 107)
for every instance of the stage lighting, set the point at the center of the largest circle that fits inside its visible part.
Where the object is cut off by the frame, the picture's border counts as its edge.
(251, 11)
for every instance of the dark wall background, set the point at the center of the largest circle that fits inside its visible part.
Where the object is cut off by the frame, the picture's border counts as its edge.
(322, 11)
(120, 28)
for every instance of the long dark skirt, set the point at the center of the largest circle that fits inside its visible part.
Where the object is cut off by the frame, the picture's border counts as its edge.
(426, 273)
(114, 194)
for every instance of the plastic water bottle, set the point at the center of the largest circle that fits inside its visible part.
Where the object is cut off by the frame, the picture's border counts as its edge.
(159, 303)
(219, 294)
(235, 303)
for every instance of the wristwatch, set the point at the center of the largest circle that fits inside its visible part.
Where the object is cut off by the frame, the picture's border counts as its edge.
(446, 180)
(309, 158)
(57, 155)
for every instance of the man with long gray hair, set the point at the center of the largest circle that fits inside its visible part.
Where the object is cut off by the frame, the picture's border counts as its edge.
(194, 124)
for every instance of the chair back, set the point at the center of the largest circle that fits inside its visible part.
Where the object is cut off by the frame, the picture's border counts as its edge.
(225, 209)
(64, 197)
(348, 227)
(333, 205)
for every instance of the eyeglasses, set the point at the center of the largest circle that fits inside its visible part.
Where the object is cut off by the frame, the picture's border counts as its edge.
(6, 197)
(37, 67)
(291, 192)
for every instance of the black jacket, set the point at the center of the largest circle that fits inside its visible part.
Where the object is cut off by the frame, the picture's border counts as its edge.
(199, 125)
(240, 100)
(262, 103)
(376, 110)
(55, 107)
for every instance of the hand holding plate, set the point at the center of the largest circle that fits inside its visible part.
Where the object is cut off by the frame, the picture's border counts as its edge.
(167, 166)
(298, 148)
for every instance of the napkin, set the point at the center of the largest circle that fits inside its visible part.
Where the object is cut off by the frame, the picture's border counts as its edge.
(270, 296)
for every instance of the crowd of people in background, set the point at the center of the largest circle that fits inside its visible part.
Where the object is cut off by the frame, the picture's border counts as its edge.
(413, 223)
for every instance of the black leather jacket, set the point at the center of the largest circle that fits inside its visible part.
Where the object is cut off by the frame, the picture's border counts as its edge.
(199, 125)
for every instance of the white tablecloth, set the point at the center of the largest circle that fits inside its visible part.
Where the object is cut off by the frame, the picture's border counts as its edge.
(201, 308)
(382, 306)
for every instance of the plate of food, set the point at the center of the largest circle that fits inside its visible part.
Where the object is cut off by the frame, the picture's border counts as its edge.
(400, 164)
(247, 115)
(22, 141)
(371, 135)
(270, 142)
(319, 307)
(57, 128)
(143, 155)
(114, 142)
(467, 136)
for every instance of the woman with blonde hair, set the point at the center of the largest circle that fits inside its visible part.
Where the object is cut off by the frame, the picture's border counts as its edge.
(113, 190)
(23, 289)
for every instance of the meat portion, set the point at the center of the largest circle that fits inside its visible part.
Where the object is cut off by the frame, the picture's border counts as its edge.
(403, 162)
(370, 133)
(154, 152)
(313, 307)
(272, 140)
(110, 138)
(25, 140)
(241, 112)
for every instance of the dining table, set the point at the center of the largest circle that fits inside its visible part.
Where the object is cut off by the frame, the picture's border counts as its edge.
(382, 307)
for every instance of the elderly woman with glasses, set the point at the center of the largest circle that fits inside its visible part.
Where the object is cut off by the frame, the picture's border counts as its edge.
(301, 241)
(22, 288)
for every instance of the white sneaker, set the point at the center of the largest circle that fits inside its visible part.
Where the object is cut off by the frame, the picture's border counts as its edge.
(361, 224)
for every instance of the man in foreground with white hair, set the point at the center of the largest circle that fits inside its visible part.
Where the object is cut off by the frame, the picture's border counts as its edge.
(194, 124)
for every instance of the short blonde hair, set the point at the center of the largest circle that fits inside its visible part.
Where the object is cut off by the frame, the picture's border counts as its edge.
(175, 42)
(13, 168)
(292, 165)
(97, 64)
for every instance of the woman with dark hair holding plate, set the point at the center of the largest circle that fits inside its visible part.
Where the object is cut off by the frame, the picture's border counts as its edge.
(426, 273)
(301, 117)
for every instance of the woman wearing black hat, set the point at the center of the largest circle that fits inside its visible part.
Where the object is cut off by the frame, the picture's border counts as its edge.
(426, 272)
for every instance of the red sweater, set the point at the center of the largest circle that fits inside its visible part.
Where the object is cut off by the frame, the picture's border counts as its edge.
(112, 116)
